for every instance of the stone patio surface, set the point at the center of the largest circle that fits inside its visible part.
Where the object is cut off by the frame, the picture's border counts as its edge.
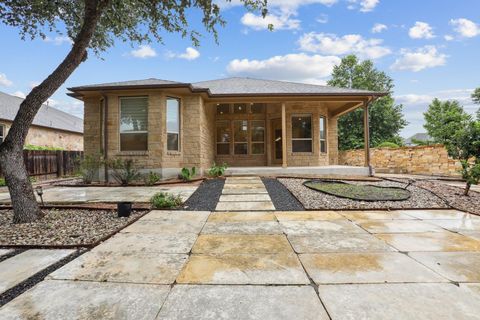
(267, 265)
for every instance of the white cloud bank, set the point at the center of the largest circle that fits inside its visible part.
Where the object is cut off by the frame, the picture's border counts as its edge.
(58, 40)
(331, 44)
(144, 52)
(419, 59)
(465, 28)
(364, 5)
(421, 30)
(4, 81)
(378, 28)
(189, 54)
(283, 21)
(299, 67)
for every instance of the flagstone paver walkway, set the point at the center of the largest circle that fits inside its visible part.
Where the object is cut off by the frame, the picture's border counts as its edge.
(269, 265)
(244, 194)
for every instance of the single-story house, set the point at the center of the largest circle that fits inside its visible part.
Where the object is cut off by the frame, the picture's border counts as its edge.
(51, 127)
(243, 122)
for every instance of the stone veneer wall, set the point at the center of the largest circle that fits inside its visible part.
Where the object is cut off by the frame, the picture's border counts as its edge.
(426, 160)
(53, 138)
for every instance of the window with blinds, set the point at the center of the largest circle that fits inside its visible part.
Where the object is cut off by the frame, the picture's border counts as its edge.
(173, 124)
(134, 124)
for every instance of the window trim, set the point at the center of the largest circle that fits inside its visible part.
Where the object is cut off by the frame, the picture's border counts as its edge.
(130, 132)
(302, 139)
(179, 144)
(325, 139)
(229, 125)
(242, 142)
(257, 142)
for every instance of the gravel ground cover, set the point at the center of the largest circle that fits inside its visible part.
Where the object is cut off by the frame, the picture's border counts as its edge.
(454, 196)
(315, 200)
(63, 227)
(281, 198)
(20, 288)
(206, 197)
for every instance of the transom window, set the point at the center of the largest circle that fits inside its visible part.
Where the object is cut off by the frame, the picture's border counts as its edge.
(302, 133)
(133, 123)
(173, 124)
(240, 108)
(323, 134)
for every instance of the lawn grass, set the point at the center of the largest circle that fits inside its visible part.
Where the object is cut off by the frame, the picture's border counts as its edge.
(359, 192)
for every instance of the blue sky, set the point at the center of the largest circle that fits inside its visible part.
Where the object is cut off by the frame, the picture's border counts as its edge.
(429, 47)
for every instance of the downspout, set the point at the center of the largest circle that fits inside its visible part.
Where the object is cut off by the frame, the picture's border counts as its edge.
(105, 133)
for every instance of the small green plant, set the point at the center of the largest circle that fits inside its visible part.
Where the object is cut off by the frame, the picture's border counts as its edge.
(124, 170)
(388, 144)
(217, 170)
(165, 200)
(33, 147)
(187, 174)
(3, 183)
(89, 166)
(151, 178)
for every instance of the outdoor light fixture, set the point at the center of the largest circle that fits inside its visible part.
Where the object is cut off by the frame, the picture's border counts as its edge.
(39, 191)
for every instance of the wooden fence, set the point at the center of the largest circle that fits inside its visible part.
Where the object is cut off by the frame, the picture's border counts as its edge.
(47, 163)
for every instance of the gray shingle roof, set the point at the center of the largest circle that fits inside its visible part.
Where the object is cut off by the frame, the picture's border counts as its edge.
(235, 86)
(46, 116)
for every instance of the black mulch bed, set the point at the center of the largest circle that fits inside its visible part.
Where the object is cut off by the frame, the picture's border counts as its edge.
(20, 288)
(282, 199)
(206, 197)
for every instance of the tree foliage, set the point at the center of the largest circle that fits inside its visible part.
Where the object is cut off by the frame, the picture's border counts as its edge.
(476, 100)
(386, 117)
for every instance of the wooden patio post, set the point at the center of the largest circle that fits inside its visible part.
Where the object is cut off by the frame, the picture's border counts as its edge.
(366, 135)
(284, 136)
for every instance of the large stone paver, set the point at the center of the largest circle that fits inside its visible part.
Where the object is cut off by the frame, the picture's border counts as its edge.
(420, 301)
(375, 215)
(430, 241)
(165, 226)
(243, 191)
(242, 227)
(222, 244)
(328, 268)
(245, 205)
(281, 268)
(456, 266)
(397, 226)
(241, 216)
(132, 267)
(5, 251)
(244, 197)
(54, 300)
(307, 215)
(338, 242)
(471, 234)
(439, 214)
(319, 227)
(242, 302)
(198, 216)
(24, 265)
(457, 225)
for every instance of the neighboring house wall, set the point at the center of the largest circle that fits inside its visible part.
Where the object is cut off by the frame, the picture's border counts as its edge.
(427, 160)
(47, 137)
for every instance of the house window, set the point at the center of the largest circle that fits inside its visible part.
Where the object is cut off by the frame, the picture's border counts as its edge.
(223, 108)
(257, 128)
(302, 133)
(223, 137)
(2, 133)
(173, 124)
(133, 124)
(323, 135)
(240, 137)
(240, 108)
(257, 108)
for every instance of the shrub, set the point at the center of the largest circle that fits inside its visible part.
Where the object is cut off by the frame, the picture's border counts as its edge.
(388, 144)
(217, 170)
(32, 147)
(3, 183)
(88, 167)
(151, 178)
(124, 170)
(165, 200)
(187, 174)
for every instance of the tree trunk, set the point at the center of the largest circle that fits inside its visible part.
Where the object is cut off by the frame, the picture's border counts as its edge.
(467, 189)
(24, 204)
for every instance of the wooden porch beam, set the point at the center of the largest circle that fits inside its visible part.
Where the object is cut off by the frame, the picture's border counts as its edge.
(284, 136)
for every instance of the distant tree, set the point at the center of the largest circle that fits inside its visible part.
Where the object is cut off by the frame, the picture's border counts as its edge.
(92, 25)
(445, 118)
(476, 100)
(422, 142)
(386, 118)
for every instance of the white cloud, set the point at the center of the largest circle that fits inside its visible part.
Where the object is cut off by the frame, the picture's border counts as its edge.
(365, 5)
(280, 4)
(417, 60)
(330, 44)
(465, 28)
(282, 21)
(448, 37)
(143, 52)
(379, 27)
(323, 18)
(58, 40)
(20, 94)
(421, 30)
(4, 81)
(189, 54)
(292, 67)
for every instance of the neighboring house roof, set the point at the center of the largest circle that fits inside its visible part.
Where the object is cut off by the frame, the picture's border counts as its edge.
(233, 87)
(46, 117)
(422, 136)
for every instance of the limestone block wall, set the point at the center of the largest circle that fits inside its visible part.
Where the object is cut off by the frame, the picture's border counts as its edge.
(426, 160)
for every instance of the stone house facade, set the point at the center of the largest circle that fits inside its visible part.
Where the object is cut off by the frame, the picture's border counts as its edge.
(242, 122)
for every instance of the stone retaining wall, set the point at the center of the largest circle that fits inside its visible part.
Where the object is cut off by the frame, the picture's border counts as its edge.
(426, 160)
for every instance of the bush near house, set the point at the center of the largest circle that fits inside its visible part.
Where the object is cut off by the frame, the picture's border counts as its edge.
(387, 144)
(217, 170)
(89, 166)
(151, 178)
(187, 174)
(124, 171)
(163, 200)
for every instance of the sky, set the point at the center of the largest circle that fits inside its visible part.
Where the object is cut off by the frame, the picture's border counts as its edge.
(429, 47)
